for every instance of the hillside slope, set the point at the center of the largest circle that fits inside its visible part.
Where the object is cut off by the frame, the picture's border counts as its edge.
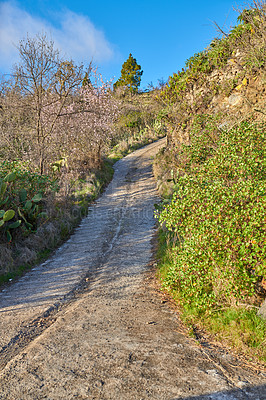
(225, 82)
(213, 174)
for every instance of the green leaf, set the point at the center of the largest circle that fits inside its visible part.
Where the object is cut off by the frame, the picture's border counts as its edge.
(14, 225)
(8, 235)
(2, 222)
(28, 225)
(4, 201)
(9, 214)
(3, 187)
(2, 213)
(28, 205)
(20, 213)
(10, 177)
(37, 198)
(23, 195)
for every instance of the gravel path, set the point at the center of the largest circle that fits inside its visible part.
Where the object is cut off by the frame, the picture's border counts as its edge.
(88, 323)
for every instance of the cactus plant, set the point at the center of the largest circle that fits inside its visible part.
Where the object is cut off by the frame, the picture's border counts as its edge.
(10, 177)
(3, 188)
(5, 222)
(16, 203)
(29, 209)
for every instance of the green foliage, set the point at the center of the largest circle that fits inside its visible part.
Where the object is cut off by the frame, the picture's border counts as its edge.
(203, 138)
(198, 63)
(219, 52)
(239, 30)
(21, 194)
(29, 210)
(130, 75)
(214, 262)
(27, 179)
(58, 165)
(217, 214)
(196, 68)
(7, 215)
(86, 80)
(132, 119)
(242, 325)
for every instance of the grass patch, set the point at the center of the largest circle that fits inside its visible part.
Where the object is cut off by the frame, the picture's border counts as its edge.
(238, 328)
(22, 269)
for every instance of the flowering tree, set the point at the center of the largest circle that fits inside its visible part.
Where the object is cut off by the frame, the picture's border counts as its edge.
(46, 83)
(94, 113)
(52, 110)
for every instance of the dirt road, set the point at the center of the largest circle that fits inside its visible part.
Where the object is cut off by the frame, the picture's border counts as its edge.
(87, 324)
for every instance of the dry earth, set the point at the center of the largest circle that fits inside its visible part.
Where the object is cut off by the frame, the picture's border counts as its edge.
(88, 323)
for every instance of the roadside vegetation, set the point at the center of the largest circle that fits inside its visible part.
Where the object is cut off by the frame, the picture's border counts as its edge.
(212, 178)
(215, 227)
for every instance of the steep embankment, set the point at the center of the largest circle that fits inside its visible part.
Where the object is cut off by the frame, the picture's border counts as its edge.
(215, 161)
(224, 83)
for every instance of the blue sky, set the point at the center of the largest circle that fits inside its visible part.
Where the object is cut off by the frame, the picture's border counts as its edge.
(161, 35)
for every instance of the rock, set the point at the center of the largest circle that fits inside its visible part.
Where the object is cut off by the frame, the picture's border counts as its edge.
(225, 125)
(242, 384)
(234, 99)
(262, 310)
(231, 61)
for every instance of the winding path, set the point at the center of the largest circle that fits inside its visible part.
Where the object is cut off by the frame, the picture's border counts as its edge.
(88, 323)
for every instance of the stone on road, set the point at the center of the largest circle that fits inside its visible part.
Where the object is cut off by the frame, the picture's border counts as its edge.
(87, 323)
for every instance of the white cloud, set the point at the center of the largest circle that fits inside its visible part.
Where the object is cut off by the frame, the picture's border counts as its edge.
(79, 36)
(76, 36)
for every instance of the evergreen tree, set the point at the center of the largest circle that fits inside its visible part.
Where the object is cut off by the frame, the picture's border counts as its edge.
(86, 80)
(130, 75)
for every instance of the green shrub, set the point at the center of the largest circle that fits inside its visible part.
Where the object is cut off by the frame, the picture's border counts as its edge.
(217, 212)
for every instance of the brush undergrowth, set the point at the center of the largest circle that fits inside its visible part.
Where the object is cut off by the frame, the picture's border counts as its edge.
(216, 234)
(132, 143)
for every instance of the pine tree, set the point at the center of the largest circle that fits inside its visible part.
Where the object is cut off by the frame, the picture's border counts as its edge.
(130, 75)
(86, 80)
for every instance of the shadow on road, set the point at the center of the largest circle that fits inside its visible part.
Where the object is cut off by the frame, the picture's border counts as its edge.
(247, 393)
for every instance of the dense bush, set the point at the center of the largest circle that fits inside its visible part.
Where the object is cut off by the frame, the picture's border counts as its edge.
(217, 214)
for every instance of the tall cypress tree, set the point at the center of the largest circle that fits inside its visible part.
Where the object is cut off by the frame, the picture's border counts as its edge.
(130, 75)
